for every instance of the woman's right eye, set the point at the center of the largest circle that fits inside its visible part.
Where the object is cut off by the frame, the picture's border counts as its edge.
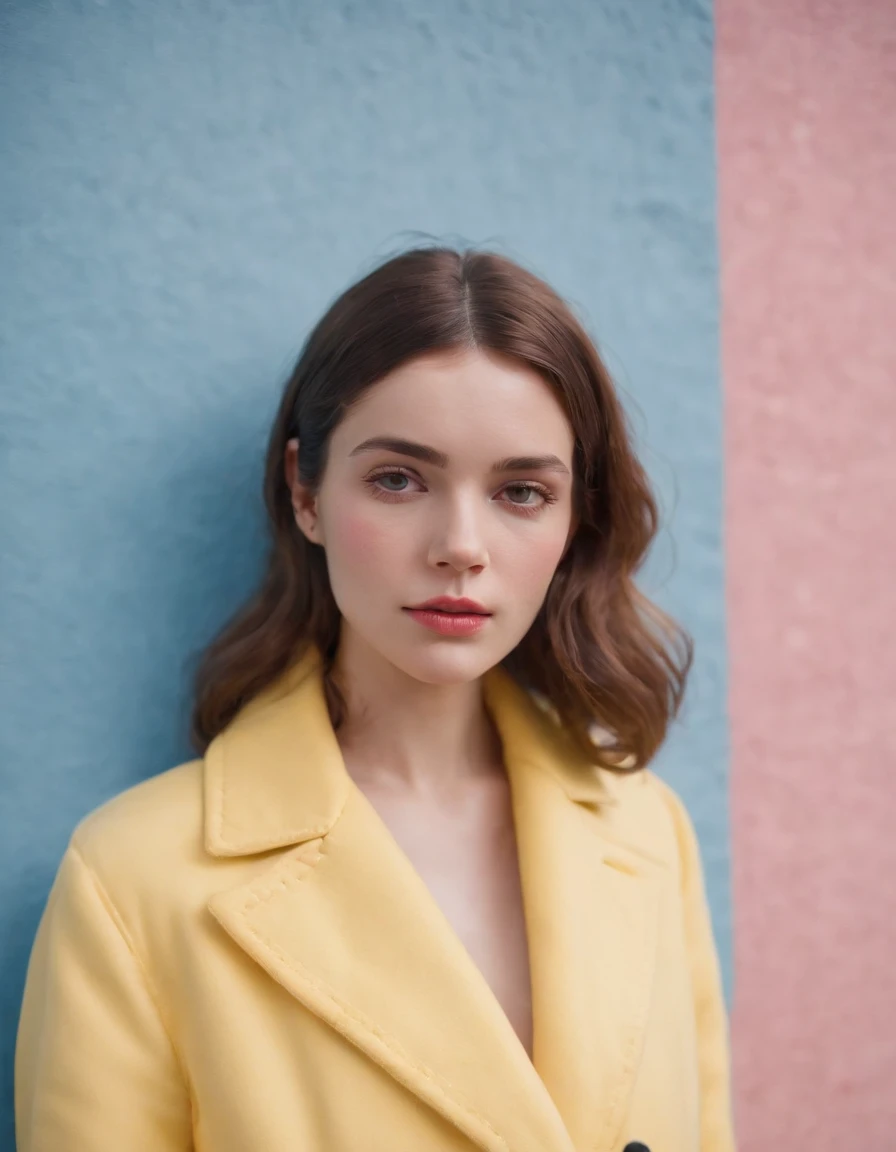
(389, 482)
(393, 476)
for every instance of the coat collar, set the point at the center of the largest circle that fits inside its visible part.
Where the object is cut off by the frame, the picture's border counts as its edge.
(343, 921)
(275, 776)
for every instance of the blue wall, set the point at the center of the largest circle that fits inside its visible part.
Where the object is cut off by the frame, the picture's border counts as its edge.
(185, 185)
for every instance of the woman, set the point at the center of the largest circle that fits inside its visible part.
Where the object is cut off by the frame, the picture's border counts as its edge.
(420, 889)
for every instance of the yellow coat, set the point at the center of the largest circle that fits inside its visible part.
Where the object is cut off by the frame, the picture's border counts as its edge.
(236, 956)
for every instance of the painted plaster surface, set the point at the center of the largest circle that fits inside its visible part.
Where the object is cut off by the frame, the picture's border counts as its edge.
(806, 98)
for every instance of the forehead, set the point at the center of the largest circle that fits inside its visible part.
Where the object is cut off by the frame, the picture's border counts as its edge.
(468, 404)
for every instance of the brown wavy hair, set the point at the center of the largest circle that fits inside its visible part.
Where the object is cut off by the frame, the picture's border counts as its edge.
(599, 653)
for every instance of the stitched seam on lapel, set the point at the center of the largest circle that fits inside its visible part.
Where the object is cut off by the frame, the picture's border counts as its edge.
(285, 883)
(450, 1096)
(612, 1120)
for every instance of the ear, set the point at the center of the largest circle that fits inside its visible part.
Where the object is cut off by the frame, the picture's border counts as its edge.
(304, 503)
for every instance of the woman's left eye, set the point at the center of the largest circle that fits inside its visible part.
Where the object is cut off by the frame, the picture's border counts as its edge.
(526, 489)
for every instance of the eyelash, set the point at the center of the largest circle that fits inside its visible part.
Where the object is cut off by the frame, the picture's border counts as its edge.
(546, 494)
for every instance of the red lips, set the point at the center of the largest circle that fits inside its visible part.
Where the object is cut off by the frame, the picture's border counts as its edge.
(450, 604)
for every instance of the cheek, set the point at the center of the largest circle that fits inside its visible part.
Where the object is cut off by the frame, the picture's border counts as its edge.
(544, 557)
(534, 561)
(359, 540)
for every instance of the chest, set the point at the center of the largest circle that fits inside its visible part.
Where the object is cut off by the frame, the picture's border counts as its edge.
(466, 854)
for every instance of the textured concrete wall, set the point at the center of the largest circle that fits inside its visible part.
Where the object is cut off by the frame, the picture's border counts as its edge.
(807, 170)
(184, 187)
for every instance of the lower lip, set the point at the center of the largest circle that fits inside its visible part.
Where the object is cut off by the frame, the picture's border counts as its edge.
(448, 623)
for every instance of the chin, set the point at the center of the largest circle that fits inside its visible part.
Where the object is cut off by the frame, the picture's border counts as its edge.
(446, 663)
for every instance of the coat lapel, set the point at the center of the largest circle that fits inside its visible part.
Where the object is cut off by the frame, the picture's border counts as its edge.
(345, 923)
(591, 889)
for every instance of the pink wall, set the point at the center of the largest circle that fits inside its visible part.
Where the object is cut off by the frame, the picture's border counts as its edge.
(807, 168)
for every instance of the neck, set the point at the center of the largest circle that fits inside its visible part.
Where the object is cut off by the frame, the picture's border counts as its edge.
(402, 735)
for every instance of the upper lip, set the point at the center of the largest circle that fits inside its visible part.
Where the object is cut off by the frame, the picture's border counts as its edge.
(450, 604)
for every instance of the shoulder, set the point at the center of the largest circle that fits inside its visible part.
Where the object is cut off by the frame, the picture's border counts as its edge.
(637, 807)
(647, 812)
(146, 834)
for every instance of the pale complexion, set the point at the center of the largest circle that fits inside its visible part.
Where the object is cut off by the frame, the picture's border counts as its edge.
(398, 530)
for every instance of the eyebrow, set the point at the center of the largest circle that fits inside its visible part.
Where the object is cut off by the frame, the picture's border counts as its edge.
(433, 456)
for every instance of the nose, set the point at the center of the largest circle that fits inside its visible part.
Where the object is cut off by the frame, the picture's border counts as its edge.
(458, 535)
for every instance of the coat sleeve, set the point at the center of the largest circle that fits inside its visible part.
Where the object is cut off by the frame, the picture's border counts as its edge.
(95, 1068)
(713, 1045)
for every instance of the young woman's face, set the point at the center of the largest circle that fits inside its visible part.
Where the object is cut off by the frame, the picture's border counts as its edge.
(399, 529)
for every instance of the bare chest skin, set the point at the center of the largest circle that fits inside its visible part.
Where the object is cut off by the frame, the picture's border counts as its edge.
(466, 853)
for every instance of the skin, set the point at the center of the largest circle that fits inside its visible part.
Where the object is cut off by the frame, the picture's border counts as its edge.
(398, 530)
